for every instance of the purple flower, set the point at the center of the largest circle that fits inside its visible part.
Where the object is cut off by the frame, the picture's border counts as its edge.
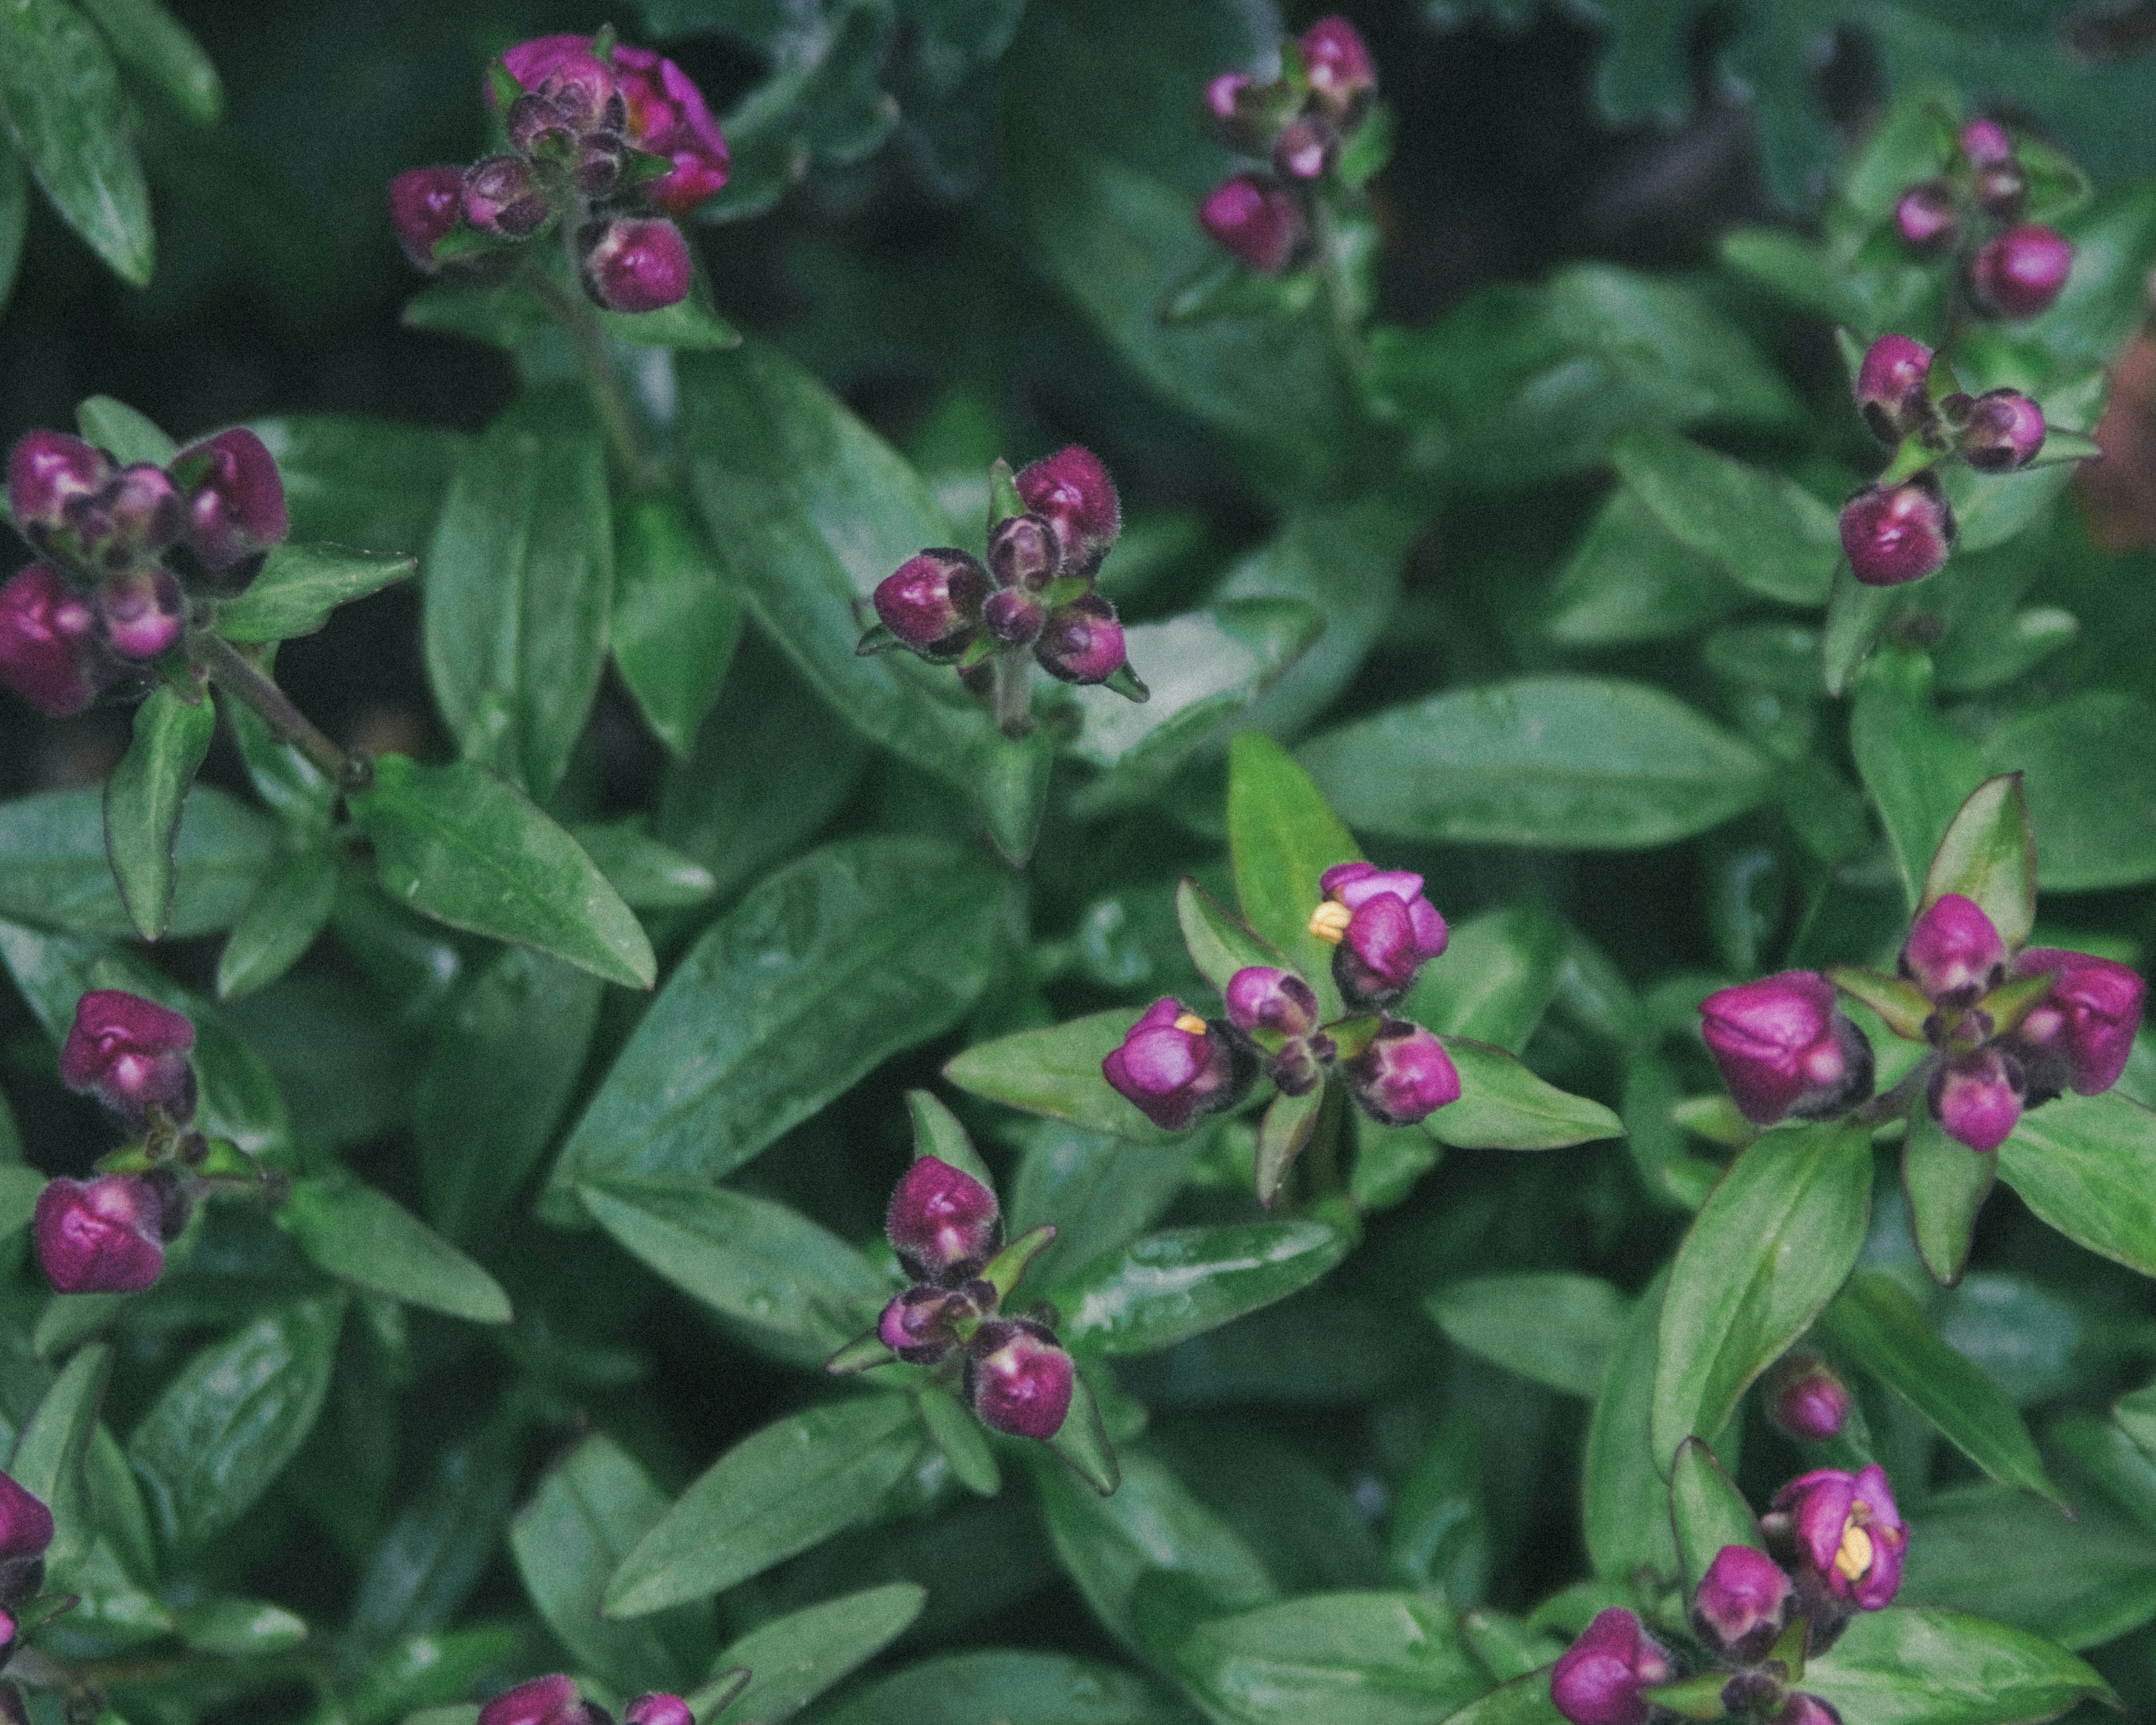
(102, 1236)
(1306, 148)
(1742, 1603)
(1024, 550)
(1897, 533)
(932, 601)
(1600, 1679)
(1807, 1400)
(1072, 491)
(47, 470)
(943, 1223)
(1891, 387)
(1082, 642)
(1381, 928)
(1925, 215)
(2088, 1019)
(2022, 271)
(425, 206)
(1343, 76)
(1954, 953)
(236, 510)
(658, 1709)
(1404, 1075)
(132, 1052)
(49, 652)
(1173, 1067)
(543, 1701)
(26, 1525)
(1018, 1380)
(134, 515)
(141, 612)
(1013, 617)
(1223, 93)
(1261, 999)
(1846, 1528)
(1977, 1097)
(1803, 1709)
(1985, 143)
(634, 263)
(921, 1325)
(667, 116)
(1783, 1048)
(1255, 220)
(2005, 430)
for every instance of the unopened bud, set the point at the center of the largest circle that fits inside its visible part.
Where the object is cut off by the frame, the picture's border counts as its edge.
(635, 264)
(1262, 999)
(1013, 617)
(921, 1325)
(134, 517)
(1019, 1380)
(26, 1532)
(237, 512)
(2002, 189)
(503, 197)
(1389, 932)
(668, 117)
(2021, 272)
(2087, 1021)
(1893, 534)
(1926, 217)
(132, 1053)
(1023, 551)
(1954, 953)
(1173, 1067)
(1256, 220)
(102, 1236)
(602, 159)
(425, 206)
(1985, 143)
(2005, 431)
(1977, 1097)
(1803, 1709)
(1082, 642)
(1231, 99)
(1783, 1048)
(943, 1223)
(1891, 387)
(658, 1709)
(1807, 1400)
(543, 1701)
(1306, 148)
(1601, 1678)
(49, 650)
(1404, 1075)
(1343, 76)
(141, 613)
(1742, 1601)
(47, 470)
(1071, 490)
(932, 601)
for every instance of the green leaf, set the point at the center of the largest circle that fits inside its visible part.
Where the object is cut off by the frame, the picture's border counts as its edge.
(1575, 762)
(519, 580)
(2091, 784)
(1918, 771)
(241, 1629)
(300, 585)
(1082, 1441)
(362, 1236)
(20, 1188)
(778, 1491)
(1282, 836)
(962, 1443)
(1332, 1659)
(1772, 1244)
(142, 801)
(1707, 1512)
(2107, 1452)
(938, 1132)
(1988, 855)
(472, 850)
(1056, 1071)
(1552, 1327)
(1622, 1496)
(1991, 1548)
(1906, 1666)
(224, 1426)
(1024, 1688)
(290, 908)
(1283, 1135)
(14, 218)
(648, 875)
(123, 432)
(677, 617)
(1100, 1191)
(49, 1456)
(791, 1287)
(795, 1658)
(1764, 531)
(1497, 975)
(1946, 1183)
(1502, 1105)
(1856, 616)
(60, 92)
(688, 324)
(2087, 1166)
(430, 1557)
(1181, 1282)
(53, 870)
(151, 41)
(369, 482)
(824, 971)
(1524, 1700)
(1219, 944)
(1631, 580)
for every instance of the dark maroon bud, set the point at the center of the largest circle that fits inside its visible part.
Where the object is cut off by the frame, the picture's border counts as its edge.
(1806, 1400)
(536, 127)
(2002, 190)
(1082, 642)
(425, 206)
(1926, 217)
(132, 1053)
(2005, 431)
(26, 1527)
(1897, 533)
(236, 513)
(543, 1701)
(921, 1325)
(141, 613)
(47, 471)
(577, 85)
(1891, 387)
(1173, 1067)
(1023, 551)
(1404, 1075)
(1072, 491)
(943, 1223)
(2087, 1022)
(660, 1709)
(1013, 617)
(1955, 952)
(602, 159)
(933, 602)
(1602, 1678)
(502, 198)
(1306, 148)
(1783, 1049)
(635, 263)
(1977, 1097)
(138, 514)
(1257, 220)
(1742, 1603)
(1343, 76)
(1261, 999)
(1019, 1380)
(1803, 1709)
(100, 1237)
(2021, 272)
(49, 651)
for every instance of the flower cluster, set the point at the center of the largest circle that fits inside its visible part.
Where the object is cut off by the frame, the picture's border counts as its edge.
(121, 551)
(26, 1532)
(1834, 1543)
(555, 1701)
(1298, 124)
(2012, 268)
(1175, 1065)
(606, 141)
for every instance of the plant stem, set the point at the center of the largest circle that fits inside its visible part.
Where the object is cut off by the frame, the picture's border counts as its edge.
(609, 394)
(1012, 693)
(348, 769)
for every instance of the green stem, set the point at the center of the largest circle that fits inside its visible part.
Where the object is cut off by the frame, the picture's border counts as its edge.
(348, 769)
(1012, 694)
(603, 378)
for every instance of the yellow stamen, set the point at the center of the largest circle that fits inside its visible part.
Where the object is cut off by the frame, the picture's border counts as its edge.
(1191, 1024)
(1329, 921)
(1853, 1559)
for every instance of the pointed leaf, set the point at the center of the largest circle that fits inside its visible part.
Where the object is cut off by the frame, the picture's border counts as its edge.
(127, 433)
(300, 585)
(53, 870)
(1181, 1282)
(1282, 836)
(1552, 1327)
(1219, 944)
(1082, 1441)
(1056, 1071)
(1988, 855)
(1283, 1134)
(1623, 1499)
(2087, 1166)
(1946, 1183)
(365, 1237)
(677, 617)
(1919, 772)
(793, 1659)
(49, 1456)
(958, 1434)
(290, 908)
(1910, 1666)
(1762, 530)
(938, 1133)
(1334, 1658)
(1502, 1105)
(1707, 1512)
(1496, 977)
(143, 798)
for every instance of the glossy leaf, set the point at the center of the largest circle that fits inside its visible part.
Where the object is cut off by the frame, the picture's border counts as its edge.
(363, 482)
(279, 923)
(1988, 855)
(1522, 1701)
(1919, 772)
(1219, 944)
(1056, 1071)
(677, 617)
(142, 802)
(2087, 1166)
(793, 1659)
(431, 1554)
(1282, 836)
(1283, 1134)
(1764, 531)
(962, 1441)
(1496, 977)
(364, 1237)
(1502, 1105)
(49, 1456)
(1631, 580)
(1910, 1667)
(1991, 1548)
(1623, 1497)
(127, 432)
(1946, 1183)
(237, 1629)
(150, 40)
(1552, 1327)
(300, 585)
(1098, 1190)
(53, 870)
(1707, 1512)
(1332, 1659)
(1025, 1688)
(2091, 785)
(1181, 1282)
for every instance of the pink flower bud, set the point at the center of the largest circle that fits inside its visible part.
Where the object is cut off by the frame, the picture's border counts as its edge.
(1082, 642)
(1742, 1603)
(425, 206)
(1954, 953)
(1023, 551)
(921, 1325)
(543, 1701)
(2005, 430)
(1891, 387)
(141, 613)
(2021, 272)
(1343, 76)
(932, 603)
(667, 116)
(1897, 533)
(133, 517)
(47, 470)
(660, 1709)
(1072, 491)
(1257, 220)
(635, 264)
(943, 1223)
(576, 89)
(1599, 1680)
(49, 651)
(132, 1052)
(503, 197)
(1806, 1400)
(1925, 217)
(1985, 143)
(236, 512)
(1015, 617)
(1803, 1709)
(1019, 1380)
(1783, 1048)
(1306, 148)
(1404, 1075)
(1977, 1098)
(1261, 998)
(1173, 1067)
(100, 1237)
(1223, 93)
(1388, 932)
(26, 1525)
(2087, 1021)
(1846, 1530)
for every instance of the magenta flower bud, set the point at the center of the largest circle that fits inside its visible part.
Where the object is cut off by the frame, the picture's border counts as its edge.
(577, 91)
(1977, 1098)
(2021, 272)
(660, 1709)
(503, 197)
(1783, 1048)
(1742, 1603)
(667, 116)
(132, 1052)
(102, 1236)
(1343, 76)
(1381, 928)
(1806, 1400)
(922, 1324)
(26, 1525)
(1306, 148)
(943, 1223)
(1023, 551)
(2005, 430)
(1018, 1380)
(1404, 1075)
(634, 263)
(1222, 94)
(932, 603)
(236, 512)
(141, 613)
(1847, 1531)
(1926, 217)
(1600, 1679)
(135, 516)
(1261, 998)
(1985, 143)
(1256, 220)
(47, 470)
(1802, 1709)
(1891, 387)
(543, 1701)
(425, 206)
(537, 128)
(1173, 1067)
(1954, 953)
(49, 652)
(2087, 1021)
(602, 159)
(1013, 617)
(1897, 533)
(1082, 642)
(1072, 492)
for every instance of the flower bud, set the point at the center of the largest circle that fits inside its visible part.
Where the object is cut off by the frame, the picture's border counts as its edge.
(2005, 430)
(49, 652)
(635, 264)
(141, 612)
(425, 206)
(537, 128)
(1072, 492)
(503, 197)
(47, 471)
(135, 515)
(1223, 93)
(1381, 928)
(26, 1530)
(1306, 148)
(1256, 220)
(1023, 551)
(132, 1052)
(933, 602)
(1173, 1067)
(921, 1325)
(1235, 102)
(236, 512)
(1845, 1529)
(1977, 1098)
(1897, 533)
(943, 1223)
(1926, 217)
(667, 116)
(2002, 189)
(1404, 1075)
(602, 160)
(1891, 387)
(658, 1709)
(543, 1701)
(102, 1236)
(578, 87)
(1343, 77)
(1261, 998)
(2087, 1021)
(1600, 1679)
(1783, 1049)
(1954, 953)
(1985, 143)
(1013, 617)
(1019, 1380)
(1742, 1603)
(2020, 273)
(1802, 1709)
(1806, 1400)
(1082, 642)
